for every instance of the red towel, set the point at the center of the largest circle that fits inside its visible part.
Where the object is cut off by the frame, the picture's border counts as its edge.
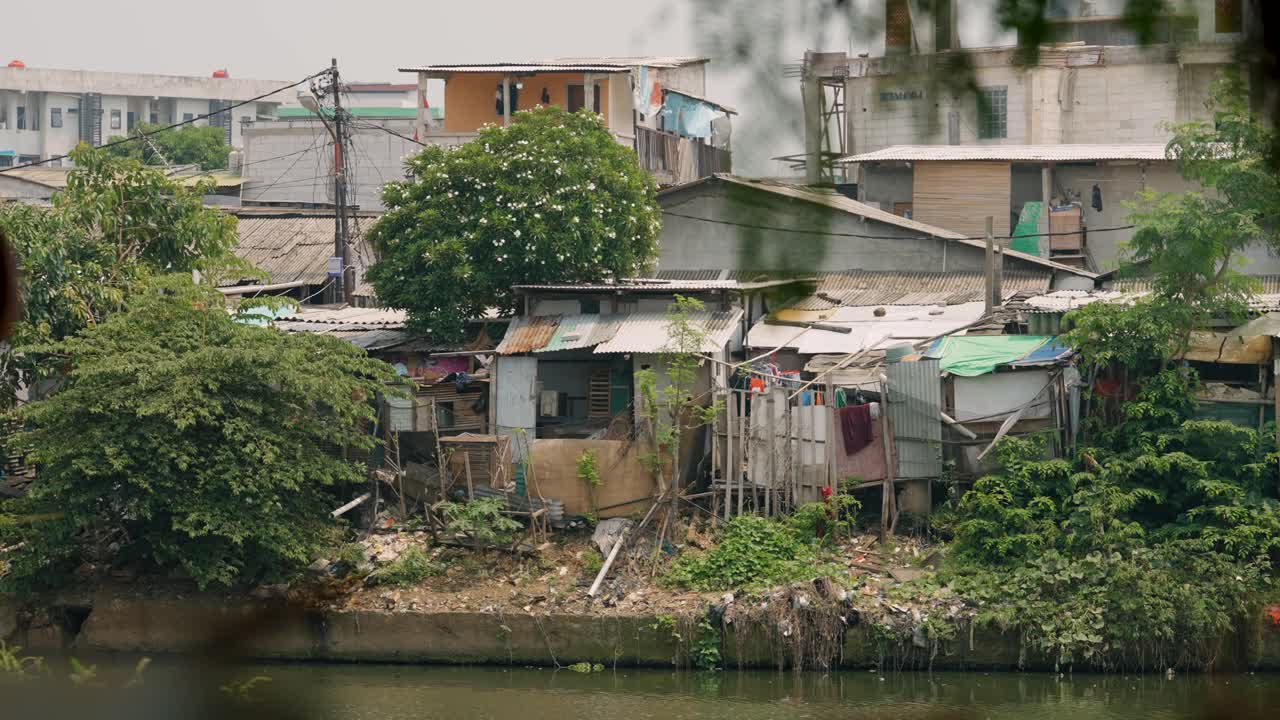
(855, 427)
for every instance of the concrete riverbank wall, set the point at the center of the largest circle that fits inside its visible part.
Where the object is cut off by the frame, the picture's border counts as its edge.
(261, 630)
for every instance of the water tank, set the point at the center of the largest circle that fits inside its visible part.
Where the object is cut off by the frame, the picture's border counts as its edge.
(221, 74)
(17, 64)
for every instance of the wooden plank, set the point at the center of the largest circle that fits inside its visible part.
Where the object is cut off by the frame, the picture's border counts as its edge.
(732, 469)
(345, 508)
(958, 195)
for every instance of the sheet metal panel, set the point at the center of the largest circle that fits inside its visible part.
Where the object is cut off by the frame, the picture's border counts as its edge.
(651, 332)
(527, 334)
(915, 402)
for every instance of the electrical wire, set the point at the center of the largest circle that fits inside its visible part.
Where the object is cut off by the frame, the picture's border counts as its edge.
(313, 180)
(829, 233)
(373, 126)
(140, 136)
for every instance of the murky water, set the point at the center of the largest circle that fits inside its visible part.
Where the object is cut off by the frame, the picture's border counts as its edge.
(387, 692)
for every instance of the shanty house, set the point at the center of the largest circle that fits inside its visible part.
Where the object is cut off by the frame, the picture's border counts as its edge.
(294, 247)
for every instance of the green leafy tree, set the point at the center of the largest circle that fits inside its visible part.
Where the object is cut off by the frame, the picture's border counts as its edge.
(551, 198)
(116, 224)
(189, 439)
(205, 146)
(1191, 244)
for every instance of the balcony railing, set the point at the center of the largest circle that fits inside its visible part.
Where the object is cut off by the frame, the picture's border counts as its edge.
(674, 160)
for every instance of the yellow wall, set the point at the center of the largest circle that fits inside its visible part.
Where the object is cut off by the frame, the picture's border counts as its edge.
(469, 98)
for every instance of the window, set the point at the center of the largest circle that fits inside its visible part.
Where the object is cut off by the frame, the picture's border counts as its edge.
(941, 25)
(131, 119)
(22, 118)
(444, 414)
(187, 117)
(115, 119)
(55, 117)
(993, 113)
(154, 119)
(6, 161)
(577, 98)
(1228, 16)
(589, 306)
(515, 99)
(28, 159)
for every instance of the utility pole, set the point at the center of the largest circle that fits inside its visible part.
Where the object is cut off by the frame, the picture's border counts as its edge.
(345, 282)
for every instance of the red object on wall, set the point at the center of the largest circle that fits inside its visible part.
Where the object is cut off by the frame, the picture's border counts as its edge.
(17, 64)
(221, 73)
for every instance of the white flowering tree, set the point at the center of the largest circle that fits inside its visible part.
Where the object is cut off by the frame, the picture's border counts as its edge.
(551, 198)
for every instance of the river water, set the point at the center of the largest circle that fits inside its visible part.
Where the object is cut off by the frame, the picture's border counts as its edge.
(386, 692)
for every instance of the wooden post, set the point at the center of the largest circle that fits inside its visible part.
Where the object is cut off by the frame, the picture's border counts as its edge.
(771, 435)
(830, 445)
(742, 449)
(466, 463)
(732, 469)
(887, 491)
(990, 265)
(800, 453)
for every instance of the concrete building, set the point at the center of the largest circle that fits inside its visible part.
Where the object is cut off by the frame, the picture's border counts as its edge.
(658, 105)
(46, 112)
(750, 227)
(867, 118)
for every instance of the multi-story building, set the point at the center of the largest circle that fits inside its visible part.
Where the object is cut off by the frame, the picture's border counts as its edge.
(46, 112)
(657, 105)
(949, 135)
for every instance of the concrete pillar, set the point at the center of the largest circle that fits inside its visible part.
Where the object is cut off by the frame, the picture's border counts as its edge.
(506, 100)
(424, 112)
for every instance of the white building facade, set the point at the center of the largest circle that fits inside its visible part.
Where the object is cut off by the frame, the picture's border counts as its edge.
(45, 113)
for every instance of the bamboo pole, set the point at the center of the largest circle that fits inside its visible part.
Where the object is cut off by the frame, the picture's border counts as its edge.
(887, 492)
(771, 426)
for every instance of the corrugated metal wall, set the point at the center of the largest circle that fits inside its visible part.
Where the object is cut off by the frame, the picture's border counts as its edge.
(915, 402)
(959, 196)
(516, 407)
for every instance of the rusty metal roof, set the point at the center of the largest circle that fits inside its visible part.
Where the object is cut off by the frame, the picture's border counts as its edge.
(296, 247)
(645, 332)
(1013, 153)
(887, 287)
(527, 334)
(650, 332)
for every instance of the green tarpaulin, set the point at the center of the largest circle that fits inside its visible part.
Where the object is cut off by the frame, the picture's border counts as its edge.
(970, 356)
(1028, 224)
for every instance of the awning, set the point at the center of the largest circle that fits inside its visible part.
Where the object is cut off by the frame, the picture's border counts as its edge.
(643, 332)
(971, 356)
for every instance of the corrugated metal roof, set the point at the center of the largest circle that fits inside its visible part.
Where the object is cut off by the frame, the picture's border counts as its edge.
(651, 332)
(1013, 153)
(645, 332)
(841, 203)
(898, 324)
(292, 246)
(349, 318)
(576, 332)
(527, 334)
(1269, 284)
(887, 287)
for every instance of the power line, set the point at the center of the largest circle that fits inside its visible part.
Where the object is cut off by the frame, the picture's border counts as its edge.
(389, 131)
(149, 133)
(831, 233)
(315, 141)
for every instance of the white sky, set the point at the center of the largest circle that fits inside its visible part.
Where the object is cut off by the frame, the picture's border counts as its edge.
(287, 39)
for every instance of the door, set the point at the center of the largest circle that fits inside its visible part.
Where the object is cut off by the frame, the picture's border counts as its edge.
(517, 401)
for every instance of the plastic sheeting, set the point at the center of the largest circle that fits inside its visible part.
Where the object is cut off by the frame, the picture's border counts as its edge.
(970, 356)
